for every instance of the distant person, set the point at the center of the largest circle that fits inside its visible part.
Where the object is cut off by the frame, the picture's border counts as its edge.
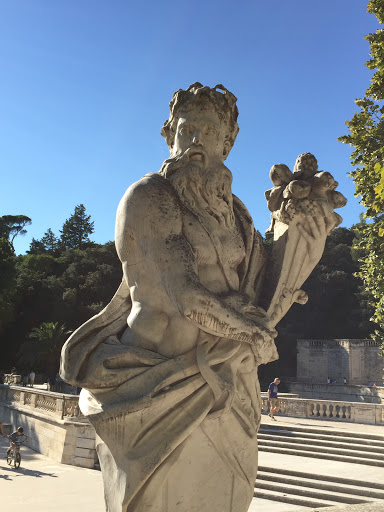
(32, 376)
(59, 383)
(52, 382)
(272, 398)
(344, 380)
(328, 380)
(25, 380)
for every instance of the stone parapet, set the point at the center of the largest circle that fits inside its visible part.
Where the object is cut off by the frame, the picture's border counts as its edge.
(371, 414)
(53, 422)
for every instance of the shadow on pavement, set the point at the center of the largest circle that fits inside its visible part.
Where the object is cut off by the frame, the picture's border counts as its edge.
(23, 472)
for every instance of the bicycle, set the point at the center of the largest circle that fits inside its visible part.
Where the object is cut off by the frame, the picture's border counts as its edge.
(14, 455)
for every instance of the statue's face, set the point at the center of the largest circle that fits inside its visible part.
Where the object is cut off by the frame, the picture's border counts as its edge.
(204, 134)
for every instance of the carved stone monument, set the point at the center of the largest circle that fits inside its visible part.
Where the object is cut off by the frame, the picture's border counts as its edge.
(169, 367)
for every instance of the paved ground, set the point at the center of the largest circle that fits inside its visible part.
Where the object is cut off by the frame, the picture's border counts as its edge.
(43, 485)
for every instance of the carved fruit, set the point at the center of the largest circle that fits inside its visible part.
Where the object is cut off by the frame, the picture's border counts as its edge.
(323, 181)
(297, 189)
(306, 165)
(274, 197)
(280, 174)
(337, 199)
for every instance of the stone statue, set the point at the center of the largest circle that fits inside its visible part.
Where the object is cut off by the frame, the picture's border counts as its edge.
(169, 367)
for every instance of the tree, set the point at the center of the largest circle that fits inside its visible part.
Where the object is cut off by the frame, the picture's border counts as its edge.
(337, 307)
(13, 225)
(48, 244)
(42, 350)
(7, 282)
(367, 138)
(76, 229)
(50, 241)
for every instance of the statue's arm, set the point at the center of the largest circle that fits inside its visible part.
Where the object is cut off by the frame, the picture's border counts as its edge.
(149, 219)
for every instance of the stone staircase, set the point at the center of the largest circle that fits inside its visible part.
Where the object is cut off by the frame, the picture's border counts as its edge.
(313, 491)
(355, 447)
(294, 487)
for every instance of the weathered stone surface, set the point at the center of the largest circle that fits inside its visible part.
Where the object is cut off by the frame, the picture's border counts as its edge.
(169, 367)
(358, 361)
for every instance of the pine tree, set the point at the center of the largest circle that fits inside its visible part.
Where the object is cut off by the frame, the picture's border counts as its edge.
(13, 225)
(50, 241)
(76, 230)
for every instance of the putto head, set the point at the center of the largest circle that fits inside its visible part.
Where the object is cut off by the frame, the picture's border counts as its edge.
(199, 97)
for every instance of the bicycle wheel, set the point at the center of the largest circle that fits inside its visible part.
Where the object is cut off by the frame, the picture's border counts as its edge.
(17, 460)
(9, 457)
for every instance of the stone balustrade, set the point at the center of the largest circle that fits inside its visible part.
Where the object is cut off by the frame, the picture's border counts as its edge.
(53, 422)
(356, 412)
(10, 378)
(53, 404)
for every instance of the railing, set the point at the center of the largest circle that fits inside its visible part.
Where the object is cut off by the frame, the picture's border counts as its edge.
(45, 402)
(356, 412)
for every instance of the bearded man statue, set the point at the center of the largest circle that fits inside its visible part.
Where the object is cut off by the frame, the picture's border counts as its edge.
(169, 367)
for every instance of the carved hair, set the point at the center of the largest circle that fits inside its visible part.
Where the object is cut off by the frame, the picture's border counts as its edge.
(223, 101)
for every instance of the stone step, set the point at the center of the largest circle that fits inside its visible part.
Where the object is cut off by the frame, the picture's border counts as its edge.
(316, 449)
(321, 495)
(322, 478)
(321, 455)
(321, 434)
(291, 499)
(322, 430)
(320, 482)
(298, 439)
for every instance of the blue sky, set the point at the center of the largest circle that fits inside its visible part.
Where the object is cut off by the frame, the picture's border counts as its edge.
(85, 87)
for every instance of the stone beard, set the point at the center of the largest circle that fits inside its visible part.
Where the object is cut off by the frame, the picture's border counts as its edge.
(203, 189)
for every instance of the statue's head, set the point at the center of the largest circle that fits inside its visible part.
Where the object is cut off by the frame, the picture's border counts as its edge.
(202, 117)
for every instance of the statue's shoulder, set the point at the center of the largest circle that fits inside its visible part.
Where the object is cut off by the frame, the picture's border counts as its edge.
(152, 191)
(150, 205)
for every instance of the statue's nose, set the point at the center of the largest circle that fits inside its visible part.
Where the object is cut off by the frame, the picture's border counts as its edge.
(196, 139)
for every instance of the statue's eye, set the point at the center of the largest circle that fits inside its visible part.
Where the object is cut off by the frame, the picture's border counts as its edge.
(184, 130)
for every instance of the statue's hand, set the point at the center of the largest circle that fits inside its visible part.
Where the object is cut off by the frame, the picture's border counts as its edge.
(242, 303)
(315, 233)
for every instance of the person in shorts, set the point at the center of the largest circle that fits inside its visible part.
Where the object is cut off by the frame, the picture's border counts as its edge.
(15, 436)
(273, 399)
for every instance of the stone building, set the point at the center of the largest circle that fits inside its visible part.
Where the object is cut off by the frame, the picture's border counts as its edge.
(359, 361)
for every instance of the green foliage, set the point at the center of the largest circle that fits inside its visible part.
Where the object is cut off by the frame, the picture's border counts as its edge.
(7, 282)
(67, 288)
(366, 136)
(43, 348)
(13, 225)
(76, 229)
(338, 305)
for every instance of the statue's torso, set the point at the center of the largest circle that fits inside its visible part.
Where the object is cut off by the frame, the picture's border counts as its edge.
(155, 323)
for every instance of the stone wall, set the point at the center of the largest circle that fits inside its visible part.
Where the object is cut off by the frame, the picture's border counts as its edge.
(352, 393)
(53, 423)
(359, 361)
